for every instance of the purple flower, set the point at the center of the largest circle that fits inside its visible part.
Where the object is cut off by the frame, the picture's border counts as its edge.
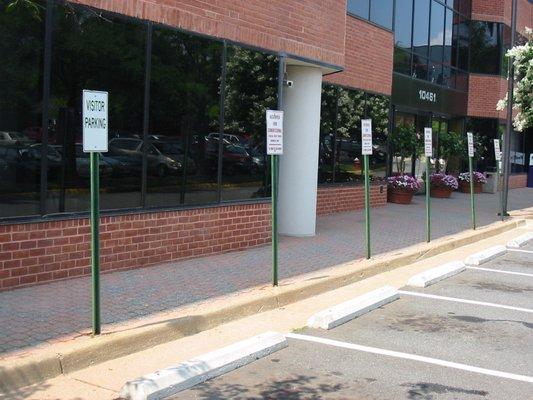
(403, 182)
(444, 181)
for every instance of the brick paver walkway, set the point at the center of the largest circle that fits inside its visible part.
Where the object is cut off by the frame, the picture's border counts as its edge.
(41, 314)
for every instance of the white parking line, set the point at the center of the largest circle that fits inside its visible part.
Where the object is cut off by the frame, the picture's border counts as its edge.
(501, 271)
(521, 251)
(414, 357)
(458, 300)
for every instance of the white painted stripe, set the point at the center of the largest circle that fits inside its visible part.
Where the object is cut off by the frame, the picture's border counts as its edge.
(414, 357)
(458, 300)
(521, 251)
(501, 271)
(344, 312)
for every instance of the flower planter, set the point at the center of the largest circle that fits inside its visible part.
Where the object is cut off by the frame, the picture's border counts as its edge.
(465, 187)
(399, 196)
(440, 192)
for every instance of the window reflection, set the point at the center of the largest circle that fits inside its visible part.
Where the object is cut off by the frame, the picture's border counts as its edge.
(421, 27)
(182, 161)
(402, 25)
(381, 12)
(116, 65)
(251, 89)
(21, 131)
(440, 38)
(340, 134)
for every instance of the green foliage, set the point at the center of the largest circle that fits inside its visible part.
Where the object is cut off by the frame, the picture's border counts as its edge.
(404, 144)
(451, 144)
(251, 89)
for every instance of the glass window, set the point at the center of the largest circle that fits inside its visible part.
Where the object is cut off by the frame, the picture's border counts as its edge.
(21, 80)
(435, 73)
(328, 127)
(461, 81)
(381, 12)
(402, 61)
(485, 42)
(116, 65)
(251, 89)
(348, 161)
(403, 17)
(377, 108)
(449, 36)
(436, 40)
(182, 148)
(421, 27)
(359, 7)
(420, 67)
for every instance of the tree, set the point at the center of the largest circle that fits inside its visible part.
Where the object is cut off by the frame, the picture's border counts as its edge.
(522, 58)
(404, 143)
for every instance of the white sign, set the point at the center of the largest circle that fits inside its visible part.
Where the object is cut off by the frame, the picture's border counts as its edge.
(518, 158)
(531, 160)
(366, 137)
(470, 137)
(94, 121)
(428, 142)
(497, 151)
(274, 121)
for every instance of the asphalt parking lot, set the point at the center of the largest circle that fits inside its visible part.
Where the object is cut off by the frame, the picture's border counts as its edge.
(467, 337)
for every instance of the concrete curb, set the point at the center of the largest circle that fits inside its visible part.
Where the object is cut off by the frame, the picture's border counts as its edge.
(344, 312)
(172, 380)
(437, 274)
(520, 241)
(482, 257)
(83, 352)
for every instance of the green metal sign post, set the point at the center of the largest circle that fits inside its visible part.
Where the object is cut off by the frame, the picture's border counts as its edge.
(95, 240)
(428, 149)
(366, 151)
(498, 158)
(95, 140)
(274, 194)
(470, 137)
(274, 120)
(367, 206)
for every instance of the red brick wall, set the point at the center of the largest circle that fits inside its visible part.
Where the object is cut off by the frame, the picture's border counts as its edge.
(308, 28)
(484, 91)
(368, 58)
(500, 11)
(517, 181)
(46, 251)
(348, 198)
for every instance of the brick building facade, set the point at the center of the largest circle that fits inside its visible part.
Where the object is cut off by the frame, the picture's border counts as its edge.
(192, 194)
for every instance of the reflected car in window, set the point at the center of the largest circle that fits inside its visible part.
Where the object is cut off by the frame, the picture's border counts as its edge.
(13, 137)
(158, 164)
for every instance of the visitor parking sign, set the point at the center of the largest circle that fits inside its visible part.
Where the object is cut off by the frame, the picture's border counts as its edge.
(95, 121)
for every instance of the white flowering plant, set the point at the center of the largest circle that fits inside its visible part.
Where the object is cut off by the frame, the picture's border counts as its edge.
(479, 177)
(522, 58)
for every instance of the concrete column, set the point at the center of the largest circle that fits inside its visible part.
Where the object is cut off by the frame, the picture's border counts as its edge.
(298, 171)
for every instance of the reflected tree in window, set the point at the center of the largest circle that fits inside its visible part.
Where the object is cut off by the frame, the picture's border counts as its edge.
(251, 89)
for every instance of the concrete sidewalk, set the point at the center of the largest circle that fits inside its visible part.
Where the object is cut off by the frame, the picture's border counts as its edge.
(40, 315)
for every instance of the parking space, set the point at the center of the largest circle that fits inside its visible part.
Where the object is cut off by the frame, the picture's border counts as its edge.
(469, 336)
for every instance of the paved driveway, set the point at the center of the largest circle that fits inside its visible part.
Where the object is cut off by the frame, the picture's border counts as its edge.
(433, 346)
